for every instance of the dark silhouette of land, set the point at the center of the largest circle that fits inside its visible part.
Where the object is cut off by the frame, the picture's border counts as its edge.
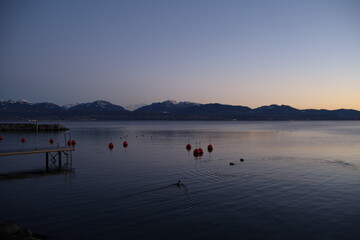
(167, 110)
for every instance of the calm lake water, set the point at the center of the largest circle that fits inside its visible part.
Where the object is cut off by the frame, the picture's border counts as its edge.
(298, 180)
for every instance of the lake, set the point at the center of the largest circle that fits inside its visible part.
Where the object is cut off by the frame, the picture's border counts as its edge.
(298, 180)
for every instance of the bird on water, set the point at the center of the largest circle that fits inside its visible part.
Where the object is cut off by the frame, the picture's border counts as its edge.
(179, 184)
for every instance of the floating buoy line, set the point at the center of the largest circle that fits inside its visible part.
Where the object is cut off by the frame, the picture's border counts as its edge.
(125, 143)
(210, 147)
(198, 151)
(188, 147)
(71, 143)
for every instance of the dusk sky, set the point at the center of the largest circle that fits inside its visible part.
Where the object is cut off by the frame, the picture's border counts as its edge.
(256, 52)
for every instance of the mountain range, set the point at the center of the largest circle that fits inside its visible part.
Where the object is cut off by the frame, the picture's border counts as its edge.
(167, 110)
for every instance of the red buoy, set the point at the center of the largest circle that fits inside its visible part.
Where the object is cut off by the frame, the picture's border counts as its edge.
(51, 141)
(69, 143)
(210, 148)
(1, 138)
(125, 144)
(73, 143)
(201, 152)
(111, 146)
(196, 152)
(188, 147)
(23, 140)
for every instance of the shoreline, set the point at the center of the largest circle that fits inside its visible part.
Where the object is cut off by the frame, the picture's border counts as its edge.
(31, 127)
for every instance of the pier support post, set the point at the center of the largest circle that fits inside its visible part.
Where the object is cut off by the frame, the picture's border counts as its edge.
(47, 161)
(59, 153)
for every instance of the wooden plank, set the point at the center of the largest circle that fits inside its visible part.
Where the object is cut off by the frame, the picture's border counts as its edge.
(34, 151)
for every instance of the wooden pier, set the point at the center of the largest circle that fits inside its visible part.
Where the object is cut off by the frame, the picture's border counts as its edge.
(53, 156)
(34, 150)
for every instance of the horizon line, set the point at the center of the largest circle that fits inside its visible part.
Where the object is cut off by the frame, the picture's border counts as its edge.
(176, 102)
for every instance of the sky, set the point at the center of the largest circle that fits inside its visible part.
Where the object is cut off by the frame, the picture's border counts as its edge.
(240, 52)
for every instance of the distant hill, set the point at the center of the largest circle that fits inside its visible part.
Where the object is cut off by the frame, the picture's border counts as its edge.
(134, 107)
(19, 110)
(167, 110)
(26, 110)
(217, 111)
(277, 112)
(97, 106)
(168, 106)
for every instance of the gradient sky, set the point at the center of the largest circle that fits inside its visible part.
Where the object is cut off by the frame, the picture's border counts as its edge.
(255, 52)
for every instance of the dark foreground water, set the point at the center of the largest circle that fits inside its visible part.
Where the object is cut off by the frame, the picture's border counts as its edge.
(299, 180)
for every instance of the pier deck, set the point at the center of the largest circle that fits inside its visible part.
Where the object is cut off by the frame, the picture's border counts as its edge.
(52, 155)
(34, 150)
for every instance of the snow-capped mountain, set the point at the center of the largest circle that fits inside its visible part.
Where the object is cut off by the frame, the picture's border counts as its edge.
(99, 105)
(169, 106)
(167, 110)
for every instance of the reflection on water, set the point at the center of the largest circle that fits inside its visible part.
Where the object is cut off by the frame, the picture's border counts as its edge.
(42, 172)
(298, 180)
